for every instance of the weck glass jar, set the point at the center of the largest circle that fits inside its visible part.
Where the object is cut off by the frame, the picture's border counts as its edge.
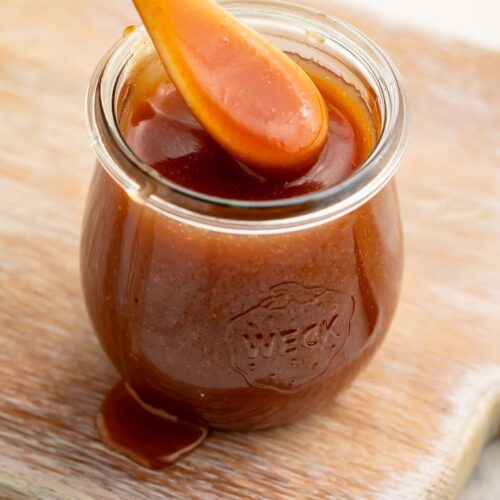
(245, 314)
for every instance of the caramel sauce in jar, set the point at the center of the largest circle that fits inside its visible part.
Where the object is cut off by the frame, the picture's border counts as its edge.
(243, 321)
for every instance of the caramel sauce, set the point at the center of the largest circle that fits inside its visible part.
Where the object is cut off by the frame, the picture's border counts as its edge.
(256, 102)
(183, 312)
(150, 437)
(160, 129)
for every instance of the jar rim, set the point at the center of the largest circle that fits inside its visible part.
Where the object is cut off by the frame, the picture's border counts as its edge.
(149, 187)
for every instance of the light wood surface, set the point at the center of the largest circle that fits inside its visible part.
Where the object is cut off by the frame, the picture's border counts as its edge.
(411, 426)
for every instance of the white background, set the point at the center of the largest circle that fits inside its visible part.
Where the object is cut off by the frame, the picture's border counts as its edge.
(473, 20)
(476, 21)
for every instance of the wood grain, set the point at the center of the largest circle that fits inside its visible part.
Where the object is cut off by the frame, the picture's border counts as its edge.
(411, 427)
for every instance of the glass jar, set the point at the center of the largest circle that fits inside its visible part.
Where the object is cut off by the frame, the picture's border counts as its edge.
(243, 314)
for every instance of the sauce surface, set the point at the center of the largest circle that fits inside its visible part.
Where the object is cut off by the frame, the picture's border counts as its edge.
(160, 129)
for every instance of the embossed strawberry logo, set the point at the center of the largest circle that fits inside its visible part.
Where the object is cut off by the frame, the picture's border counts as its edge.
(290, 337)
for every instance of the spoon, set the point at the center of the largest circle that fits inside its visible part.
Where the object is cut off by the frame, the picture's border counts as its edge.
(253, 99)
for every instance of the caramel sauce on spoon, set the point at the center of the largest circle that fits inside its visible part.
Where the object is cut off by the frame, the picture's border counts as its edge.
(253, 99)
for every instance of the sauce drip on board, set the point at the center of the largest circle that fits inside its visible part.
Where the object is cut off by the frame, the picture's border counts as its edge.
(253, 99)
(149, 437)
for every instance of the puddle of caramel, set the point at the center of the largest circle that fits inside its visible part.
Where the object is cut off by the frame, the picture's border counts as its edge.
(149, 437)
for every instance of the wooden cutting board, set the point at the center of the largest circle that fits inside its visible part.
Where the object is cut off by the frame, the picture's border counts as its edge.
(411, 426)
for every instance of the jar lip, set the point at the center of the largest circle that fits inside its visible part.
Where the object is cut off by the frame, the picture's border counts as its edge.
(332, 202)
